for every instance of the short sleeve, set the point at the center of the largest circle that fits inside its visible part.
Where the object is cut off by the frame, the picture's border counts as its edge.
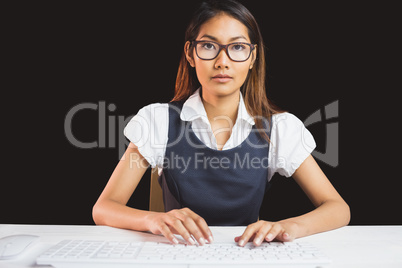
(148, 130)
(291, 144)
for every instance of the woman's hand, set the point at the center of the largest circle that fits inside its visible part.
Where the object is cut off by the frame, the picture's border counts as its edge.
(183, 222)
(259, 231)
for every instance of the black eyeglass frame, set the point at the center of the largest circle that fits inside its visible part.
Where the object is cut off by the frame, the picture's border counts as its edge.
(225, 47)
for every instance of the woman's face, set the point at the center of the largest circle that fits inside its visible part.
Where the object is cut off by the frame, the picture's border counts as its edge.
(222, 29)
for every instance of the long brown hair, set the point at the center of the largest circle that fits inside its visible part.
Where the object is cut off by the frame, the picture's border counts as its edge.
(253, 89)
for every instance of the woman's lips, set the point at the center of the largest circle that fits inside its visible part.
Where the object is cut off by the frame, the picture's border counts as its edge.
(222, 78)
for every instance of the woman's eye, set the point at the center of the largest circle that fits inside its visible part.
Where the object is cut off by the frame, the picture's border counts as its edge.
(208, 46)
(238, 47)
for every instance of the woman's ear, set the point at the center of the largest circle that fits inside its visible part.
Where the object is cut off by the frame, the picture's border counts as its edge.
(189, 53)
(254, 57)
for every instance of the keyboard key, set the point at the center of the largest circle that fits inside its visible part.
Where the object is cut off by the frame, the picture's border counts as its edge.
(131, 252)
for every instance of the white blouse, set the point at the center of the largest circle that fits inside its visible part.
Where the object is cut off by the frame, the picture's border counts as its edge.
(291, 142)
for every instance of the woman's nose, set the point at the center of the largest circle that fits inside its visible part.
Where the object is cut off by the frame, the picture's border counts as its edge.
(222, 61)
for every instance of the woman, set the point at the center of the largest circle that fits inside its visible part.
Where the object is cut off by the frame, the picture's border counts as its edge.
(218, 143)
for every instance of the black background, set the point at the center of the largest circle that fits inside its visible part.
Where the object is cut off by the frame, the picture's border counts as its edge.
(59, 56)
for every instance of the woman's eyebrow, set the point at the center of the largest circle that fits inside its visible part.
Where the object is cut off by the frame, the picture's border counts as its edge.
(216, 39)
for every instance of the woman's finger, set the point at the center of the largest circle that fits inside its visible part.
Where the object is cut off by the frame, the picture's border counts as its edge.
(166, 232)
(249, 233)
(201, 225)
(262, 232)
(288, 232)
(194, 230)
(177, 224)
(275, 230)
(286, 237)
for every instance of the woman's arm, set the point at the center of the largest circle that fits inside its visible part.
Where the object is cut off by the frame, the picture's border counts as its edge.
(331, 210)
(111, 209)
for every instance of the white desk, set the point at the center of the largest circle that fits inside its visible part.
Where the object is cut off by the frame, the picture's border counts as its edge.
(351, 246)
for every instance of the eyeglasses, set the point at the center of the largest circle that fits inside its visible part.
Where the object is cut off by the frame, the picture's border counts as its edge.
(209, 50)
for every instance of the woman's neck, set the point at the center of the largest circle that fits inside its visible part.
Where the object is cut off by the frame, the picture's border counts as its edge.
(221, 107)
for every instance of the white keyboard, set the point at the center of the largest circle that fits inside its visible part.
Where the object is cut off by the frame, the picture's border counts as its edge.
(86, 252)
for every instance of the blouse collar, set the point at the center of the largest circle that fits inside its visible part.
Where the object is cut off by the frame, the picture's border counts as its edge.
(193, 108)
